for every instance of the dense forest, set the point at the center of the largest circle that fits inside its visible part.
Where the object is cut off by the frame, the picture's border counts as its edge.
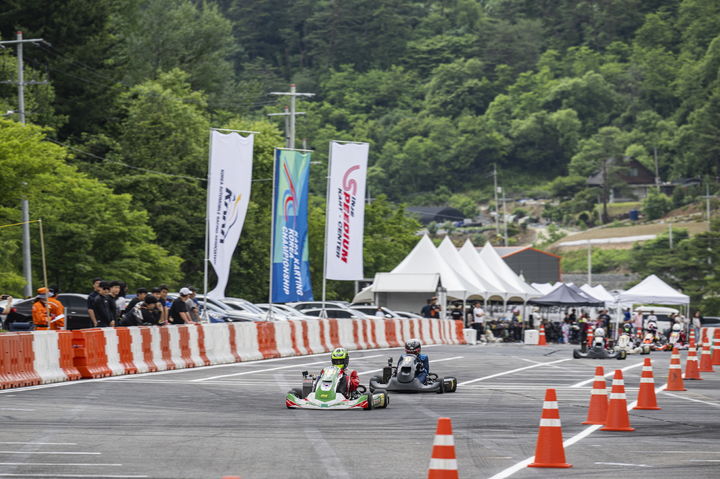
(115, 152)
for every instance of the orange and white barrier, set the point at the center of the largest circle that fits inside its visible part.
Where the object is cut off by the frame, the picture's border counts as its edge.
(40, 357)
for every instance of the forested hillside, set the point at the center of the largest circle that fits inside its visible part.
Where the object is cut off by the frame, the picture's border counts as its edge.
(441, 89)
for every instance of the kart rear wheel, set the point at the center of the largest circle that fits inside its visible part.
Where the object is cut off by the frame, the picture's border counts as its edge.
(621, 354)
(386, 398)
(441, 383)
(370, 402)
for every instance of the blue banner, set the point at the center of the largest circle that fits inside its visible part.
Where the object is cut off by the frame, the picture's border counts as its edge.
(290, 265)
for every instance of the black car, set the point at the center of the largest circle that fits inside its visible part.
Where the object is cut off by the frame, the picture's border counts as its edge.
(76, 313)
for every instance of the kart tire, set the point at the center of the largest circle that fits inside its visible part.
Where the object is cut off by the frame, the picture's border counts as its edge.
(576, 354)
(441, 389)
(451, 385)
(370, 402)
(297, 392)
(387, 398)
(621, 354)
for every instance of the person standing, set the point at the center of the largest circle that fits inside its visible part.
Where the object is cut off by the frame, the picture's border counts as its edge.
(478, 323)
(104, 307)
(91, 300)
(604, 321)
(638, 322)
(697, 321)
(178, 310)
(47, 313)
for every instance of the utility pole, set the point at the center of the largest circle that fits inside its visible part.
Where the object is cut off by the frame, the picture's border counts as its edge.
(293, 94)
(707, 201)
(505, 218)
(497, 210)
(19, 41)
(657, 169)
(589, 263)
(287, 123)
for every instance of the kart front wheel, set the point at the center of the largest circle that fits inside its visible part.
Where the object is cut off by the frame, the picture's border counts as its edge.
(441, 384)
(296, 392)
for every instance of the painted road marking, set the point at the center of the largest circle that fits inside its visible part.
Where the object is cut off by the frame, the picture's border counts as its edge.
(583, 383)
(43, 443)
(513, 371)
(97, 476)
(620, 464)
(14, 409)
(53, 452)
(691, 399)
(199, 380)
(576, 438)
(57, 464)
(326, 453)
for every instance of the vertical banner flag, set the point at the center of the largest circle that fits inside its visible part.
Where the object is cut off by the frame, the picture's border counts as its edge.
(290, 264)
(346, 210)
(228, 198)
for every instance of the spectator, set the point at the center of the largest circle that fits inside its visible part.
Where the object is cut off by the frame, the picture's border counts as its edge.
(379, 313)
(91, 300)
(478, 323)
(426, 311)
(565, 338)
(192, 305)
(457, 312)
(164, 295)
(697, 320)
(178, 310)
(638, 322)
(47, 313)
(115, 288)
(604, 321)
(121, 302)
(8, 304)
(140, 295)
(160, 312)
(142, 313)
(103, 306)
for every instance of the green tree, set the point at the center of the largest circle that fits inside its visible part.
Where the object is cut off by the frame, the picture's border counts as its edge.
(656, 204)
(119, 245)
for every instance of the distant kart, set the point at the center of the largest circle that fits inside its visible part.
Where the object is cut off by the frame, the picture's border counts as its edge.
(321, 392)
(626, 343)
(657, 342)
(599, 351)
(402, 378)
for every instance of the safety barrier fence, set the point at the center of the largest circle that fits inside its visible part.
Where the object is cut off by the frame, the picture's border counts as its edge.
(40, 357)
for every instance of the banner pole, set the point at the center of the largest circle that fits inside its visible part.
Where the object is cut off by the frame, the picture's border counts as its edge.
(323, 312)
(45, 281)
(207, 232)
(272, 236)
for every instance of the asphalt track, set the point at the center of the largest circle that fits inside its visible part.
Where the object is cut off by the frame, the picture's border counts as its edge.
(231, 420)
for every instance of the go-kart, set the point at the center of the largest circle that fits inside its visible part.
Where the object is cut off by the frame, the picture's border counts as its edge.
(657, 342)
(402, 378)
(329, 391)
(598, 351)
(678, 340)
(630, 346)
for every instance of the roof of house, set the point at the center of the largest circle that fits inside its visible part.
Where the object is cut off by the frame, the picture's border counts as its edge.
(436, 213)
(507, 251)
(632, 173)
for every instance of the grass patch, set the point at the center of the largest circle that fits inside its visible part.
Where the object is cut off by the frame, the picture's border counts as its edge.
(603, 260)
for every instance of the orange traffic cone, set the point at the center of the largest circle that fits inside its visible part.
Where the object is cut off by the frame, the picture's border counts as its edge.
(541, 339)
(617, 418)
(675, 380)
(597, 412)
(705, 356)
(646, 394)
(716, 348)
(589, 337)
(443, 464)
(692, 339)
(691, 364)
(549, 451)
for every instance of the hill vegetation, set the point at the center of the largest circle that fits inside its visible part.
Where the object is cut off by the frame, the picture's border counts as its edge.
(547, 90)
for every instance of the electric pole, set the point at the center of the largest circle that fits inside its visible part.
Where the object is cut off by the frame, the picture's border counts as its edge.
(497, 210)
(293, 94)
(287, 123)
(505, 218)
(19, 41)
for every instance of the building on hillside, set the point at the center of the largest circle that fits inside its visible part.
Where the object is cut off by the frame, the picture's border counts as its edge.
(629, 180)
(535, 265)
(438, 214)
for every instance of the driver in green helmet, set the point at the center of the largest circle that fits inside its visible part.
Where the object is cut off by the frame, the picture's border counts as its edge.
(349, 380)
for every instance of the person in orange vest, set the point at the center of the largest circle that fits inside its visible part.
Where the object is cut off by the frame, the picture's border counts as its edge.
(47, 310)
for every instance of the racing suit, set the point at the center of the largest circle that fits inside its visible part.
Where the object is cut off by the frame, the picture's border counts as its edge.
(348, 383)
(422, 372)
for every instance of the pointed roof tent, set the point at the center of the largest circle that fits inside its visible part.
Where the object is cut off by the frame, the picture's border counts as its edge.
(599, 292)
(564, 295)
(653, 290)
(494, 261)
(480, 287)
(425, 258)
(542, 288)
(470, 255)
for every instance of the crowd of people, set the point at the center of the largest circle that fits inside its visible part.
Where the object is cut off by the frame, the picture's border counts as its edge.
(108, 306)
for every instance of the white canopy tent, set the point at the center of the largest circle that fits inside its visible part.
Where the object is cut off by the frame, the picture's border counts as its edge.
(599, 292)
(542, 288)
(500, 267)
(470, 255)
(480, 287)
(653, 290)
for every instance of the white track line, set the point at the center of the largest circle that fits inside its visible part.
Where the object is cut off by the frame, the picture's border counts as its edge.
(92, 464)
(513, 371)
(691, 399)
(43, 443)
(434, 361)
(576, 438)
(583, 383)
(93, 476)
(55, 452)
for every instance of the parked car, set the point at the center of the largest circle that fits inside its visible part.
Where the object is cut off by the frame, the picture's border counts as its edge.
(337, 313)
(240, 304)
(220, 312)
(663, 315)
(371, 310)
(290, 312)
(76, 312)
(303, 305)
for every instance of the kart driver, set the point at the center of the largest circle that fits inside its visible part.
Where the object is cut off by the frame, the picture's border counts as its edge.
(349, 380)
(412, 347)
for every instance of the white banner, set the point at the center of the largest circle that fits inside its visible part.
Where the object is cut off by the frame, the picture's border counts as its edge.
(346, 210)
(228, 197)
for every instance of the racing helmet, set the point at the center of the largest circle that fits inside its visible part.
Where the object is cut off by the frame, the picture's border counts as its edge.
(340, 357)
(600, 332)
(627, 328)
(412, 346)
(652, 325)
(676, 327)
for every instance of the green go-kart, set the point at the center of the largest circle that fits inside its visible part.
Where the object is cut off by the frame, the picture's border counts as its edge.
(326, 392)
